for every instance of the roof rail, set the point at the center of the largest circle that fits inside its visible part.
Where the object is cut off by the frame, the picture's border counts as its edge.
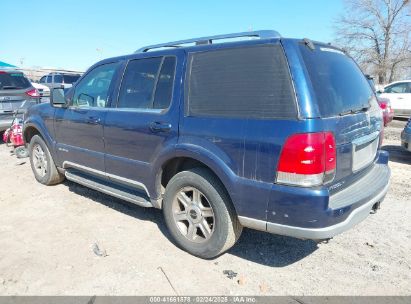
(265, 34)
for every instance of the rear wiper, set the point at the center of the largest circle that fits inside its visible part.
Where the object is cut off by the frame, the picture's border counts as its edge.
(354, 111)
(11, 88)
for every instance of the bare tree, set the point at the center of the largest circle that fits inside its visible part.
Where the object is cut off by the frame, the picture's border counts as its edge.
(377, 34)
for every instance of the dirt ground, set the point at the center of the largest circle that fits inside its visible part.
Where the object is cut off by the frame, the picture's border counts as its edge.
(47, 237)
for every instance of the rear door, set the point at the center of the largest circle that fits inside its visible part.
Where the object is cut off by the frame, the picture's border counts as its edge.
(144, 119)
(79, 127)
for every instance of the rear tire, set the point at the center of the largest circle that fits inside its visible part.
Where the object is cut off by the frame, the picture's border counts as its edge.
(42, 164)
(199, 214)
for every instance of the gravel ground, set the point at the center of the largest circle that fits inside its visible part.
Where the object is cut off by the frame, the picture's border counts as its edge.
(49, 237)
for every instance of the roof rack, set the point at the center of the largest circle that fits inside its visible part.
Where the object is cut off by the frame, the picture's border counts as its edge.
(265, 34)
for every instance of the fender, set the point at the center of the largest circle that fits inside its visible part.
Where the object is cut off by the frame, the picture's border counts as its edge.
(36, 122)
(201, 154)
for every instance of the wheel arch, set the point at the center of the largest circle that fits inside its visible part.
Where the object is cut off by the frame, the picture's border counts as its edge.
(184, 160)
(31, 129)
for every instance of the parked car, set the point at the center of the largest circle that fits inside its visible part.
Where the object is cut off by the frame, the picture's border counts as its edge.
(275, 134)
(57, 80)
(385, 104)
(43, 90)
(15, 89)
(399, 94)
(406, 136)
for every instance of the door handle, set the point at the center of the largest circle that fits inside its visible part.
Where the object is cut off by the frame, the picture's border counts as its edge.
(93, 120)
(160, 126)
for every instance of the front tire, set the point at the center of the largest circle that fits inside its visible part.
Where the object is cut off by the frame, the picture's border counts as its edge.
(42, 164)
(199, 214)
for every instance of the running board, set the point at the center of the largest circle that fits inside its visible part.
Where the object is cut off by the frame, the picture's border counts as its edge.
(120, 192)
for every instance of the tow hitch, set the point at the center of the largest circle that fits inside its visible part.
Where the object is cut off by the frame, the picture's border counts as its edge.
(375, 207)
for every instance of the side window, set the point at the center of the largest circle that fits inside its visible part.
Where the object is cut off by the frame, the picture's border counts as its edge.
(251, 82)
(147, 83)
(164, 88)
(43, 79)
(92, 90)
(49, 79)
(58, 78)
(397, 88)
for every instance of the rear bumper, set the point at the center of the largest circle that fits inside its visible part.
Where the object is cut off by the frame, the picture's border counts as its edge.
(356, 216)
(314, 214)
(406, 140)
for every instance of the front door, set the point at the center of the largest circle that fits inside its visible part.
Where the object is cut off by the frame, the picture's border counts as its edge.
(79, 127)
(144, 120)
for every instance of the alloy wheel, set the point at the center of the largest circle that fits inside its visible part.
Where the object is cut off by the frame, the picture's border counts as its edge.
(193, 215)
(39, 160)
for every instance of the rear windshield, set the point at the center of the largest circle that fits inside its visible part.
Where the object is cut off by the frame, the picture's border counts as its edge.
(70, 78)
(13, 81)
(339, 84)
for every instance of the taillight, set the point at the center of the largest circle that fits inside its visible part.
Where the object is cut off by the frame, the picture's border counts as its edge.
(33, 93)
(307, 159)
(383, 105)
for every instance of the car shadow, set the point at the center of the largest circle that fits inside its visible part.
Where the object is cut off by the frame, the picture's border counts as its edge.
(271, 250)
(255, 246)
(144, 214)
(398, 154)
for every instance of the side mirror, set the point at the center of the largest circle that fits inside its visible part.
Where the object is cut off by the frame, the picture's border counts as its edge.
(57, 97)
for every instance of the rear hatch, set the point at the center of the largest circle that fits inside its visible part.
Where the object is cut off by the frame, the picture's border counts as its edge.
(347, 106)
(13, 92)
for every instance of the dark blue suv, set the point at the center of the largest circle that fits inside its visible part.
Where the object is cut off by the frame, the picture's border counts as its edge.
(224, 132)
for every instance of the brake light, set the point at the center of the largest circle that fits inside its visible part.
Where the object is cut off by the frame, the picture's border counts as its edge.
(383, 105)
(33, 93)
(307, 159)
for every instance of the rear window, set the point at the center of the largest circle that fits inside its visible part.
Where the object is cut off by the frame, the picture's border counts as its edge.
(58, 79)
(16, 81)
(70, 78)
(338, 82)
(247, 82)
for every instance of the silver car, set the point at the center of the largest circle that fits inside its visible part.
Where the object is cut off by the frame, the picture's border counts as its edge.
(15, 90)
(59, 80)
